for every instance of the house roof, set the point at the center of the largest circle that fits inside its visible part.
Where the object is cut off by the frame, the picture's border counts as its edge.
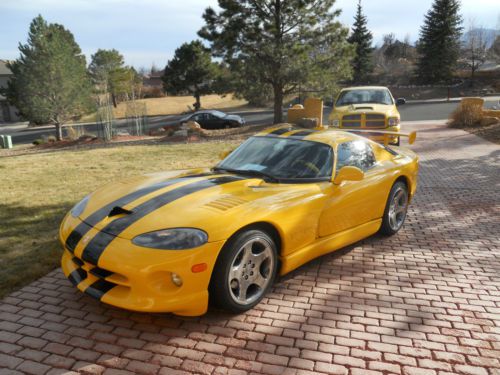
(4, 71)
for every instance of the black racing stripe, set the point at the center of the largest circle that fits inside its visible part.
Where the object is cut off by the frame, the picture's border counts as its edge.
(100, 272)
(84, 227)
(75, 236)
(279, 131)
(302, 133)
(77, 261)
(101, 240)
(99, 288)
(77, 276)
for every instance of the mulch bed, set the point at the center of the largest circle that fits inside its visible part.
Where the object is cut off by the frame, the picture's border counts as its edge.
(490, 133)
(218, 135)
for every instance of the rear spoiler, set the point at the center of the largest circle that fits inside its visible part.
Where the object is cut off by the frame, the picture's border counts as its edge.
(412, 136)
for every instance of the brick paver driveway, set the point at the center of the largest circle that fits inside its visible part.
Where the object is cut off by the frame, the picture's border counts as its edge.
(426, 301)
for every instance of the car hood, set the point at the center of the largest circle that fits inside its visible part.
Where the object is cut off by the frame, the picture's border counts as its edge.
(213, 202)
(389, 110)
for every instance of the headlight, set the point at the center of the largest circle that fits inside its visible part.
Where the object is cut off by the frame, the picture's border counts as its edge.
(172, 239)
(80, 207)
(393, 121)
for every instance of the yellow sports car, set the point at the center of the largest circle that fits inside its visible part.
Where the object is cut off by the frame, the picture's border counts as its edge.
(169, 242)
(367, 107)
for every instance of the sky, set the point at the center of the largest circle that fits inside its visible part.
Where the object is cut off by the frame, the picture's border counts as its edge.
(147, 32)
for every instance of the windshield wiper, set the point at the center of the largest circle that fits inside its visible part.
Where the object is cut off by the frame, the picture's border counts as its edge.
(250, 172)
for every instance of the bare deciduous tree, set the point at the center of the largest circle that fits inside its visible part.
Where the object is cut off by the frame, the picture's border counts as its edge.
(475, 48)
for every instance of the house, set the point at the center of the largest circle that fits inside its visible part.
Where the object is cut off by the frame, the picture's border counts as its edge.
(8, 113)
(153, 79)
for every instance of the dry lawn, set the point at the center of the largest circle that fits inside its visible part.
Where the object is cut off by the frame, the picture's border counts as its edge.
(171, 105)
(37, 190)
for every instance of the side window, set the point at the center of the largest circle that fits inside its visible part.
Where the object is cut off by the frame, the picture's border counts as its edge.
(356, 154)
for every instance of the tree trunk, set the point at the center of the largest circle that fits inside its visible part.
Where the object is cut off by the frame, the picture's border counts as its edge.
(197, 104)
(113, 97)
(278, 104)
(59, 134)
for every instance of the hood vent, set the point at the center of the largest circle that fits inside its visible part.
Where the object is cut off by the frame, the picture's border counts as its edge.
(118, 211)
(360, 108)
(225, 203)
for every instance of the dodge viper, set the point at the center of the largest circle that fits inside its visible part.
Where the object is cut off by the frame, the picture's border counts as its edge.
(367, 107)
(173, 241)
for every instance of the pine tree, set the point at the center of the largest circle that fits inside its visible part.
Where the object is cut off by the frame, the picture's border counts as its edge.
(50, 82)
(439, 43)
(273, 47)
(107, 70)
(362, 38)
(190, 70)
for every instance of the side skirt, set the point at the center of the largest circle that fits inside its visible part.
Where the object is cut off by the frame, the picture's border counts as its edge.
(328, 244)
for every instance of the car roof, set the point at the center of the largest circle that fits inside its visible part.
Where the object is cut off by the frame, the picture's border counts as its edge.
(328, 136)
(365, 88)
(207, 111)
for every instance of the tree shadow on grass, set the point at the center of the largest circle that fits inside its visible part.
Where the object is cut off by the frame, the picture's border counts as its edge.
(29, 246)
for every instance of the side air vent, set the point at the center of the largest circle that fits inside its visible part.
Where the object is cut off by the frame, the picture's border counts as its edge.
(118, 211)
(225, 203)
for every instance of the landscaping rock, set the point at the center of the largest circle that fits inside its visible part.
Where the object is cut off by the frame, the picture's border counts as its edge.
(157, 132)
(308, 123)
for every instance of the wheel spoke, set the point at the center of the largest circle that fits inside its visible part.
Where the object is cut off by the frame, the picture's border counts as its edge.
(392, 220)
(235, 273)
(242, 291)
(259, 258)
(260, 280)
(399, 194)
(247, 252)
(400, 209)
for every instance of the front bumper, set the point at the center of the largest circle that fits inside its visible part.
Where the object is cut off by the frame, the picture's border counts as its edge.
(139, 279)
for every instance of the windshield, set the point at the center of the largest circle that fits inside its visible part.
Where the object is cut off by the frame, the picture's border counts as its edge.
(378, 96)
(282, 158)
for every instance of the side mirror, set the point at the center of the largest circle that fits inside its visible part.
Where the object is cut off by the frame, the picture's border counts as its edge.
(400, 101)
(348, 174)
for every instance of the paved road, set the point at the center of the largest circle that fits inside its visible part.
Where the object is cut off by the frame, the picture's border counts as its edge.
(425, 301)
(409, 112)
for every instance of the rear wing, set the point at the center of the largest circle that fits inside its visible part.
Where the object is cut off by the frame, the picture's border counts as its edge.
(412, 136)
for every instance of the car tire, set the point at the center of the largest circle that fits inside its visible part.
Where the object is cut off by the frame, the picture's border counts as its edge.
(244, 271)
(395, 209)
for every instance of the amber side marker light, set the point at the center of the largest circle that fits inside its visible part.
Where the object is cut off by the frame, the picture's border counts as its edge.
(199, 267)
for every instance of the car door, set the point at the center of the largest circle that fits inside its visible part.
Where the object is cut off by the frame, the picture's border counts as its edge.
(203, 120)
(352, 203)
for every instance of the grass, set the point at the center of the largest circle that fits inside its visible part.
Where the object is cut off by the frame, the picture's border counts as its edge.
(37, 190)
(172, 105)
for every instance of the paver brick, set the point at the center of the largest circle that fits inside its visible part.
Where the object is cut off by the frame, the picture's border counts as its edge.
(425, 301)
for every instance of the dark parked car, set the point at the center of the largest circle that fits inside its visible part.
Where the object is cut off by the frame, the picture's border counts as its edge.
(212, 119)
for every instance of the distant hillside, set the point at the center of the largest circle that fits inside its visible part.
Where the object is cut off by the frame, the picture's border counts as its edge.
(489, 34)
